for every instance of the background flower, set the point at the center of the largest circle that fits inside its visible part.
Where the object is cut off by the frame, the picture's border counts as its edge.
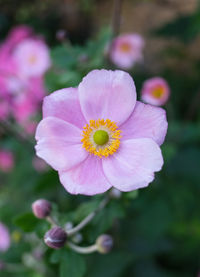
(6, 160)
(126, 50)
(155, 91)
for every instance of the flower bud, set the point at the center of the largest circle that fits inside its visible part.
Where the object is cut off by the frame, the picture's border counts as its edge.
(104, 244)
(55, 237)
(115, 193)
(41, 208)
(61, 35)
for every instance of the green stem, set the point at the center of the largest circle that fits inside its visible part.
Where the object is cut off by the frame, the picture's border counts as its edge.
(88, 218)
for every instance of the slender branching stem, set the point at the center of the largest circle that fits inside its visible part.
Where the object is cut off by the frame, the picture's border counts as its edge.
(88, 218)
(51, 220)
(116, 18)
(82, 250)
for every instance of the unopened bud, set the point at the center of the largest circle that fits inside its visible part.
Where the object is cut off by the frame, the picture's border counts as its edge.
(104, 244)
(115, 193)
(61, 35)
(55, 237)
(41, 208)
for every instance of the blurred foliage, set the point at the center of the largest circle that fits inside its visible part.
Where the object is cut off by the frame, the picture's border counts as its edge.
(156, 230)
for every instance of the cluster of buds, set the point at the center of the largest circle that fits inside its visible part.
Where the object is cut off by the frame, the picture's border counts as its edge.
(58, 237)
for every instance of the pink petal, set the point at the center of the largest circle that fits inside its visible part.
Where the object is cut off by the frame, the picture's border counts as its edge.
(134, 164)
(4, 238)
(146, 121)
(106, 94)
(59, 143)
(86, 178)
(64, 104)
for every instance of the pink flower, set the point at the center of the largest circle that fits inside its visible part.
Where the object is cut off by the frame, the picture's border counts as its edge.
(126, 50)
(6, 160)
(21, 83)
(4, 108)
(98, 136)
(18, 34)
(4, 238)
(32, 57)
(155, 91)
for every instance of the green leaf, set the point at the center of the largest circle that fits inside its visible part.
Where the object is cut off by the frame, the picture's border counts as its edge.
(27, 222)
(72, 264)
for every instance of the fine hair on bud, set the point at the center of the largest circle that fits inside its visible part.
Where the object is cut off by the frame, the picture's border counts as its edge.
(55, 237)
(104, 243)
(41, 208)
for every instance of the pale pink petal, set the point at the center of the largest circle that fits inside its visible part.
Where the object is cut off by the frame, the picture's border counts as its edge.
(146, 121)
(134, 164)
(106, 94)
(59, 143)
(86, 178)
(65, 105)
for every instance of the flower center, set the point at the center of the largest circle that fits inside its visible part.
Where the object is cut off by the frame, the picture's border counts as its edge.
(32, 59)
(125, 47)
(158, 92)
(101, 137)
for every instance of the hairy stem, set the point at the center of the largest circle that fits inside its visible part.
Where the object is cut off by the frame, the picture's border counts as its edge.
(88, 218)
(51, 220)
(82, 250)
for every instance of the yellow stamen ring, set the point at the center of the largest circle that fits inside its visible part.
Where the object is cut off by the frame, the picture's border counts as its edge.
(93, 145)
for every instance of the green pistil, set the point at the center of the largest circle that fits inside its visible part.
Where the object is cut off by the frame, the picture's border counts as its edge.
(100, 137)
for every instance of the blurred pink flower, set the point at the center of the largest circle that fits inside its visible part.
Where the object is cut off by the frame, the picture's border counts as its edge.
(23, 108)
(29, 126)
(155, 91)
(4, 109)
(32, 57)
(26, 104)
(24, 58)
(19, 33)
(126, 50)
(98, 136)
(4, 238)
(6, 160)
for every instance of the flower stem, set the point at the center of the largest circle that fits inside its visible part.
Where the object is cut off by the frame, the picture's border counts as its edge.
(51, 220)
(82, 250)
(116, 19)
(88, 218)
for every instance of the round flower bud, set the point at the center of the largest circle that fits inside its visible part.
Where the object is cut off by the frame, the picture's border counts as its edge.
(104, 244)
(61, 35)
(41, 208)
(115, 193)
(55, 237)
